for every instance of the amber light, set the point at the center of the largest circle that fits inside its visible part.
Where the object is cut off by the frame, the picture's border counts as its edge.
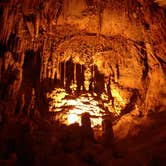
(69, 107)
(72, 118)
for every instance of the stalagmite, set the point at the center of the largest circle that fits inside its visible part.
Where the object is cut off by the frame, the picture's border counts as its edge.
(107, 133)
(86, 129)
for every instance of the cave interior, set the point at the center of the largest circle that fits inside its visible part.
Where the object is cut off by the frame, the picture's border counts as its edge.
(83, 82)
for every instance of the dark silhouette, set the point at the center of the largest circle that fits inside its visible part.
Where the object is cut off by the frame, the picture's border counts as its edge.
(108, 140)
(86, 129)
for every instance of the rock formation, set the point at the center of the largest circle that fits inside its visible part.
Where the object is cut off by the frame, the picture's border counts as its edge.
(101, 54)
(125, 40)
(61, 58)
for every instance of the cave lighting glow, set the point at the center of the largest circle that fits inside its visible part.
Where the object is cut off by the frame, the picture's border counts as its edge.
(72, 118)
(69, 108)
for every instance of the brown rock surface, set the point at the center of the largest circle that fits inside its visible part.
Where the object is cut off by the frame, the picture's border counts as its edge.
(119, 46)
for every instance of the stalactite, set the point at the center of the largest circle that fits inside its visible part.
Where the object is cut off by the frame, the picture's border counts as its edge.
(44, 74)
(54, 66)
(58, 68)
(41, 70)
(93, 71)
(14, 69)
(31, 29)
(59, 9)
(49, 69)
(75, 80)
(117, 71)
(31, 105)
(8, 60)
(44, 65)
(22, 103)
(100, 15)
(64, 74)
(87, 76)
(20, 27)
(82, 75)
(37, 25)
(17, 83)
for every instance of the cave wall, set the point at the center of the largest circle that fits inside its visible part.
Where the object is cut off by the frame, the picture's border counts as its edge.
(126, 39)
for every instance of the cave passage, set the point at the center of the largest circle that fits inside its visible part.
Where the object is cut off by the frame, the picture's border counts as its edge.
(80, 89)
(81, 79)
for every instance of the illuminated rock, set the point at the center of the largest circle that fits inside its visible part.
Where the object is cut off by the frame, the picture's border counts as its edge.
(123, 42)
(62, 58)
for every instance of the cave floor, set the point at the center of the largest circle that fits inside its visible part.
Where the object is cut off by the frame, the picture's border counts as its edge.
(50, 144)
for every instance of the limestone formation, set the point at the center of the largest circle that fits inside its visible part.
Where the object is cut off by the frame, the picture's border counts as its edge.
(79, 46)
